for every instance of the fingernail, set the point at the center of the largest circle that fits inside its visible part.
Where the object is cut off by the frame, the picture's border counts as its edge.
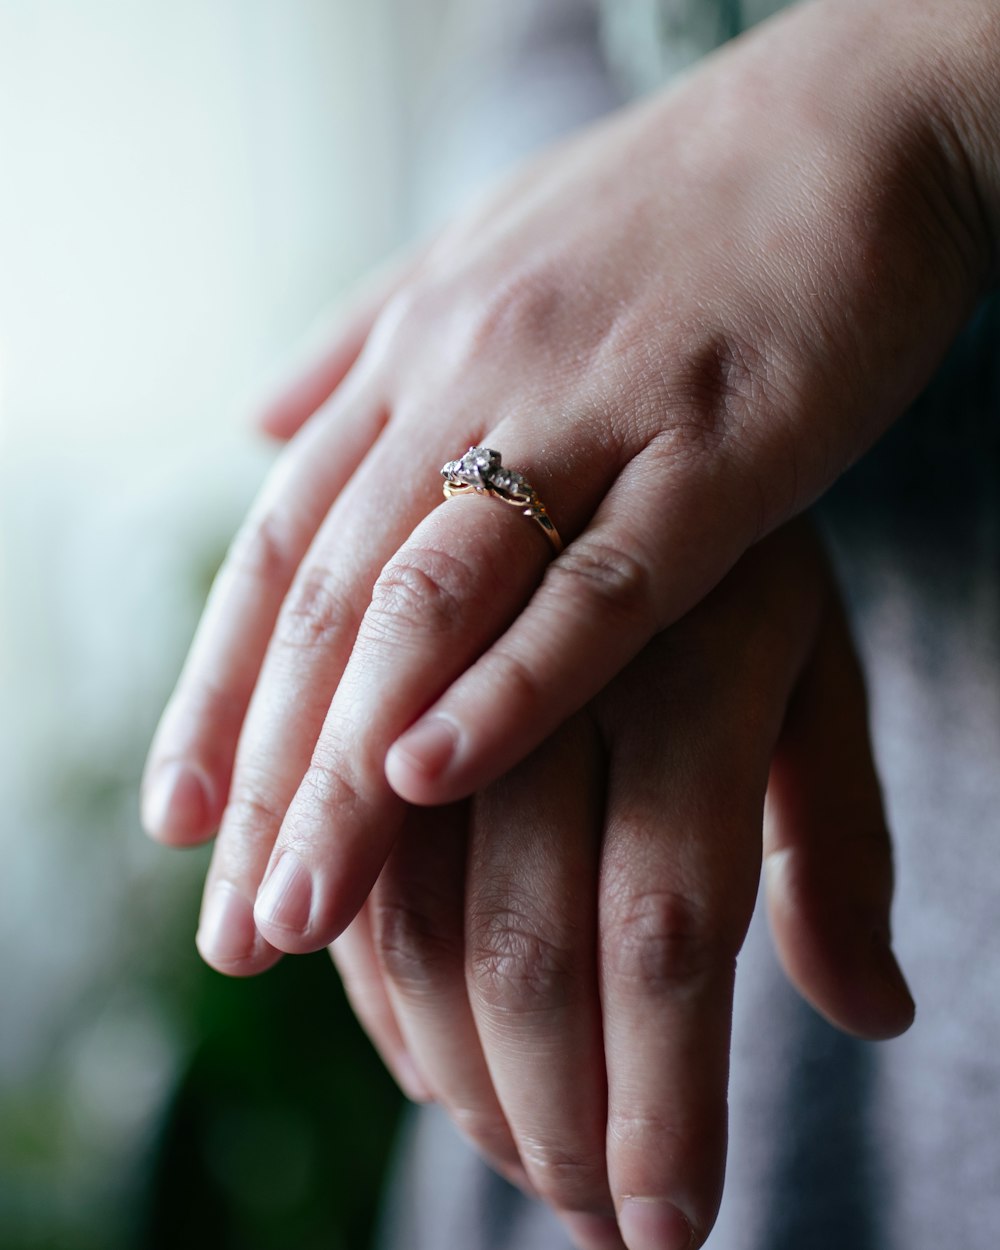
(176, 802)
(592, 1232)
(411, 1081)
(227, 932)
(653, 1224)
(285, 898)
(429, 745)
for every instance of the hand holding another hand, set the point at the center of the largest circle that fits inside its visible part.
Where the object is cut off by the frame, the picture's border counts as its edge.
(680, 327)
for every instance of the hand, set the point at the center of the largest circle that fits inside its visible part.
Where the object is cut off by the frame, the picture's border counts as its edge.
(554, 963)
(681, 327)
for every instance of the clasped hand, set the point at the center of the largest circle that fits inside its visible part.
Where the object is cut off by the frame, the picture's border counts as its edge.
(681, 326)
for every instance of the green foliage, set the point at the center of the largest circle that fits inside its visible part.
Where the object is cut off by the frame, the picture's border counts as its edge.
(159, 1104)
(278, 1134)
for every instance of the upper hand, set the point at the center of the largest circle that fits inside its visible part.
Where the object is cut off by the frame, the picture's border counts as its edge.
(681, 327)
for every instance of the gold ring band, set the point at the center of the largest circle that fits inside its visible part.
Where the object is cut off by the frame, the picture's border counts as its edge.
(481, 471)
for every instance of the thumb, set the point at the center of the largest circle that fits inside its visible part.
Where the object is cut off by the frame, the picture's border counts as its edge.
(828, 868)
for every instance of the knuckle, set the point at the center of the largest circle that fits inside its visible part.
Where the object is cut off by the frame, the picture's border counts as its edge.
(610, 581)
(514, 967)
(403, 306)
(647, 1129)
(410, 306)
(519, 308)
(414, 947)
(253, 817)
(661, 942)
(566, 1178)
(251, 809)
(730, 397)
(326, 788)
(314, 613)
(265, 548)
(723, 381)
(425, 590)
(519, 683)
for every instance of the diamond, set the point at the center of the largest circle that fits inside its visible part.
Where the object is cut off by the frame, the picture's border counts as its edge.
(475, 468)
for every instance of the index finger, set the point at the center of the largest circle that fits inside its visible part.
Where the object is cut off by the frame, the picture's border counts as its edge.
(416, 633)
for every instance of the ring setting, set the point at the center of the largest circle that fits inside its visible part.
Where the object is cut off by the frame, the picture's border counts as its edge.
(481, 471)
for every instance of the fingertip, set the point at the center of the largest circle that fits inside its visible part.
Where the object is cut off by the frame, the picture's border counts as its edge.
(291, 910)
(279, 418)
(875, 1003)
(261, 959)
(227, 938)
(283, 906)
(418, 764)
(655, 1224)
(289, 395)
(303, 382)
(836, 953)
(901, 1007)
(273, 427)
(178, 804)
(410, 1079)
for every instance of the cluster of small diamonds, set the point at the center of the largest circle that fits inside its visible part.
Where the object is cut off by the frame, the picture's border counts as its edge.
(482, 469)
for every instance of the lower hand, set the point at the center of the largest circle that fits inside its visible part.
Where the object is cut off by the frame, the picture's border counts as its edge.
(554, 962)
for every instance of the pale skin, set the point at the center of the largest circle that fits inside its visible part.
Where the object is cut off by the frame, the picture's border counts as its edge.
(681, 326)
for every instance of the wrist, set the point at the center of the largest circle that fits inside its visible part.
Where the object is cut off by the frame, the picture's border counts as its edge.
(967, 92)
(939, 66)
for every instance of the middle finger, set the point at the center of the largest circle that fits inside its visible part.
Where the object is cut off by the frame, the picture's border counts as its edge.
(531, 921)
(416, 912)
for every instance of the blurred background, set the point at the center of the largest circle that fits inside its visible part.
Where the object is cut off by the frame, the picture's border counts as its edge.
(183, 188)
(186, 186)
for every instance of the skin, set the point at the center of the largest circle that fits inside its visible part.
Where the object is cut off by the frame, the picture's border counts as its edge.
(681, 327)
(554, 961)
